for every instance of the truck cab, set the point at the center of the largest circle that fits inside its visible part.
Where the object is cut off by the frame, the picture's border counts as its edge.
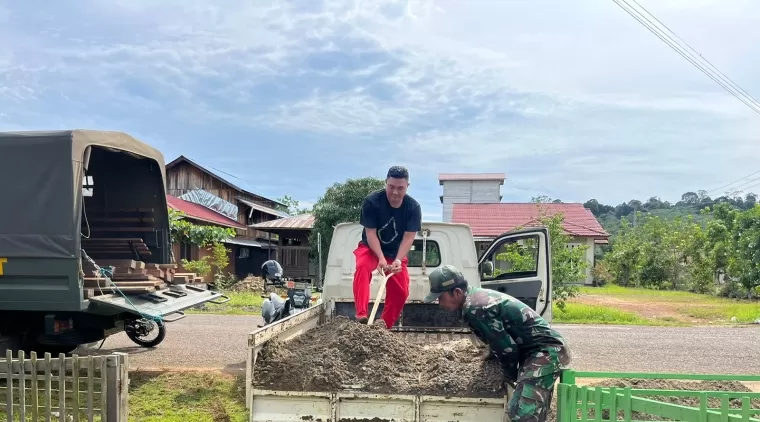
(515, 263)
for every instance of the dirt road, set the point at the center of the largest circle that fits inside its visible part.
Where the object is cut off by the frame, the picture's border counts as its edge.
(219, 342)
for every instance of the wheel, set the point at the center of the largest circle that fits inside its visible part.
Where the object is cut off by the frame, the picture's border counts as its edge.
(138, 329)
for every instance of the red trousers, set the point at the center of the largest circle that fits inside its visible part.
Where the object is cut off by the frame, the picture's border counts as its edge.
(396, 289)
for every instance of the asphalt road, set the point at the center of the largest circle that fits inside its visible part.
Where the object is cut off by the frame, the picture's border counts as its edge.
(219, 342)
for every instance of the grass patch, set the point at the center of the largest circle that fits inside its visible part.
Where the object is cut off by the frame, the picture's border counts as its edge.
(702, 307)
(186, 397)
(641, 293)
(743, 312)
(241, 303)
(576, 313)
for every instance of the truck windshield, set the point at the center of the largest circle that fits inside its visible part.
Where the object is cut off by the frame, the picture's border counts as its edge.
(432, 255)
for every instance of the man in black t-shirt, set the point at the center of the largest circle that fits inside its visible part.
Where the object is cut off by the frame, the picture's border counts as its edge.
(391, 219)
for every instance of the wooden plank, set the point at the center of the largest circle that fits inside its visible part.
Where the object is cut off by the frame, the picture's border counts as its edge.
(122, 229)
(122, 219)
(156, 273)
(116, 210)
(116, 248)
(129, 290)
(167, 266)
(131, 263)
(112, 240)
(122, 284)
(180, 279)
(134, 277)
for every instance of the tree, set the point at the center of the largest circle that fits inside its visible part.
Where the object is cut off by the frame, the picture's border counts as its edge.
(209, 237)
(341, 203)
(291, 206)
(183, 231)
(568, 265)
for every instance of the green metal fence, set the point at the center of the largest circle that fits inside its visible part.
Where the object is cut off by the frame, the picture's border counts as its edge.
(588, 403)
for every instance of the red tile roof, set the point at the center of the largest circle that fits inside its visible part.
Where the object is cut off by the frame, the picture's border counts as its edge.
(297, 222)
(442, 177)
(491, 220)
(201, 213)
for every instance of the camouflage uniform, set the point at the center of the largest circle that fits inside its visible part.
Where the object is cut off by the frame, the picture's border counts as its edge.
(531, 352)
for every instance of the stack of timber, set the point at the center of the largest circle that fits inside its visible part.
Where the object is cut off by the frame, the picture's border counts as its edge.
(132, 277)
(118, 233)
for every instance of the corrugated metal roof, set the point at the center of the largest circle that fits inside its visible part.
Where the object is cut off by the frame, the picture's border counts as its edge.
(298, 222)
(250, 243)
(442, 177)
(239, 184)
(491, 220)
(263, 208)
(199, 212)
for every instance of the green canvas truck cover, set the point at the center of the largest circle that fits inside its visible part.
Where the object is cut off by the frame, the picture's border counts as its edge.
(41, 188)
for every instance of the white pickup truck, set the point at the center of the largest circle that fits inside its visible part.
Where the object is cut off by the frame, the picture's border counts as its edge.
(526, 277)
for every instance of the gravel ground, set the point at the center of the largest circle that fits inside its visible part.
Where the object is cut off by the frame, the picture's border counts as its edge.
(219, 342)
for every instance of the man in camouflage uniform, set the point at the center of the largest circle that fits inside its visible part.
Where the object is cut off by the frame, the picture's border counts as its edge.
(532, 354)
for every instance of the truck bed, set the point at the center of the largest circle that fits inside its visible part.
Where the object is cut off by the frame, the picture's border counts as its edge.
(287, 406)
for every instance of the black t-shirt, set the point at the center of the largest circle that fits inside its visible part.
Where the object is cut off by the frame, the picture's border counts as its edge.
(391, 223)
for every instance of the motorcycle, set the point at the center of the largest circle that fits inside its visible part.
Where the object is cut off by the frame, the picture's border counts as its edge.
(138, 330)
(276, 307)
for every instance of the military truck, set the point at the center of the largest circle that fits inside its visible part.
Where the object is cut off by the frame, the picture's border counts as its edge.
(58, 189)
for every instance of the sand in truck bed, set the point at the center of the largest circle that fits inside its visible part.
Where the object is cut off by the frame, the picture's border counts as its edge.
(345, 355)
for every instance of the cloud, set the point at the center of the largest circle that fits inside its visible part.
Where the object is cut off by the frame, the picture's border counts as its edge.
(570, 99)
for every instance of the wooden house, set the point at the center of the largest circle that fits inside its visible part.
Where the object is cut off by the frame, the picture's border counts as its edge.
(233, 199)
(292, 251)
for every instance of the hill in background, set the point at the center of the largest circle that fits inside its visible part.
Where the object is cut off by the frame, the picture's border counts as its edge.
(691, 203)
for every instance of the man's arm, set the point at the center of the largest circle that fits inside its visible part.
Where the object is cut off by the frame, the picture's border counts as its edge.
(374, 243)
(368, 219)
(488, 325)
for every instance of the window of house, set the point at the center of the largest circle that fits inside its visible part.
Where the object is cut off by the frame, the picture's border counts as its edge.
(186, 251)
(432, 255)
(244, 253)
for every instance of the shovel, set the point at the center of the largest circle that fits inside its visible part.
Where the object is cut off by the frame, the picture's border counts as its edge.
(380, 293)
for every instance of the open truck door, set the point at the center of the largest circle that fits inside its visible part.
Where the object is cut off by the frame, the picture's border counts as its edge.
(518, 263)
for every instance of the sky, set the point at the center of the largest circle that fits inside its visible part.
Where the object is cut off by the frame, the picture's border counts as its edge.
(573, 100)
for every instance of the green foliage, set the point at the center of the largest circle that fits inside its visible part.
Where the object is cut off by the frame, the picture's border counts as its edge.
(201, 267)
(341, 203)
(569, 265)
(209, 237)
(291, 206)
(202, 236)
(682, 254)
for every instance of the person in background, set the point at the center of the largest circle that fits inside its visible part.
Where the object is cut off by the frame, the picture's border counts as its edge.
(391, 219)
(531, 353)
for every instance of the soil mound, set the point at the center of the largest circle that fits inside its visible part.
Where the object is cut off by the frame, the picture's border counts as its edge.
(345, 355)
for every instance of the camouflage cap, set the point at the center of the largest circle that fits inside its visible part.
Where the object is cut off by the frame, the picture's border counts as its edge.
(443, 279)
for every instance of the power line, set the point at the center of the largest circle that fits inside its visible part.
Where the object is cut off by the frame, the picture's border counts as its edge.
(742, 186)
(737, 87)
(739, 180)
(745, 98)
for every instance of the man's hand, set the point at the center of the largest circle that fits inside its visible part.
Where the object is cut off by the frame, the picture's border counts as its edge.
(486, 355)
(396, 266)
(382, 265)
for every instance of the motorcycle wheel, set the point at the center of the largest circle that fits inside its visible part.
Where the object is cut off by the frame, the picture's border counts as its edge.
(135, 332)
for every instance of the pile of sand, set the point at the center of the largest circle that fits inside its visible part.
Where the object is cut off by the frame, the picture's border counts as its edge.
(345, 355)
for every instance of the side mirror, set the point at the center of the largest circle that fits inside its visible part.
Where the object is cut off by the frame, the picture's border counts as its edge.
(486, 269)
